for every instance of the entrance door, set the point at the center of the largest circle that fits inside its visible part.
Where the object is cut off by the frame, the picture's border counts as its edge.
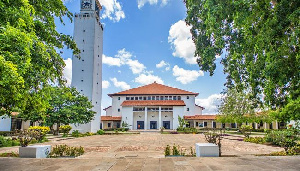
(166, 124)
(140, 124)
(153, 124)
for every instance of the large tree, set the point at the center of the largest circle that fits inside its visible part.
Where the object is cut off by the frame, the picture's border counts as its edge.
(67, 106)
(236, 107)
(29, 61)
(260, 40)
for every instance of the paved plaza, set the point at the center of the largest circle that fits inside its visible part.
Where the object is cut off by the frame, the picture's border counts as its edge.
(145, 151)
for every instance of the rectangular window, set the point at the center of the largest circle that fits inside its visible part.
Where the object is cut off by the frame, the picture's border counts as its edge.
(166, 97)
(153, 97)
(144, 98)
(140, 98)
(119, 98)
(149, 98)
(187, 97)
(157, 98)
(179, 97)
(161, 97)
(205, 123)
(174, 97)
(170, 97)
(119, 110)
(127, 98)
(187, 109)
(136, 98)
(108, 125)
(131, 98)
(197, 124)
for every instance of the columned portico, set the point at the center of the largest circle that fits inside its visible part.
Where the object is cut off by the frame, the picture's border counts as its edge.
(159, 117)
(146, 117)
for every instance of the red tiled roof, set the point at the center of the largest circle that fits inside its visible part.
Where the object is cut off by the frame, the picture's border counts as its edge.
(154, 89)
(200, 117)
(107, 108)
(111, 118)
(153, 103)
(200, 106)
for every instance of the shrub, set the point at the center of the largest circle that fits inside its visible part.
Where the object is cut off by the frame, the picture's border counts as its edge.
(64, 150)
(6, 133)
(257, 140)
(278, 153)
(162, 129)
(283, 138)
(26, 136)
(88, 134)
(76, 133)
(294, 150)
(215, 138)
(167, 151)
(65, 129)
(11, 154)
(100, 132)
(246, 130)
(175, 150)
(8, 142)
(40, 132)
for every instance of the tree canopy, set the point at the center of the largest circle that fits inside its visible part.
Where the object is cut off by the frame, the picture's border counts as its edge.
(67, 106)
(29, 61)
(236, 107)
(260, 40)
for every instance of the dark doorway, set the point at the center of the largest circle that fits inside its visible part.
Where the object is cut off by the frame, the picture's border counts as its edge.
(16, 124)
(153, 124)
(140, 124)
(166, 124)
(223, 125)
(214, 125)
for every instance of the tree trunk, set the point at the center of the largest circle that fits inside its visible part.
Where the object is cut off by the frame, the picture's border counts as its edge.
(57, 129)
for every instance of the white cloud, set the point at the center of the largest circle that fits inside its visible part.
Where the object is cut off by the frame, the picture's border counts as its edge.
(135, 66)
(120, 84)
(163, 64)
(111, 61)
(186, 76)
(181, 40)
(67, 72)
(124, 57)
(210, 104)
(105, 84)
(112, 10)
(141, 3)
(148, 79)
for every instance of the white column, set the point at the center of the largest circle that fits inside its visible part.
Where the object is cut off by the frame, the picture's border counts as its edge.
(276, 125)
(159, 118)
(265, 125)
(194, 124)
(212, 124)
(146, 117)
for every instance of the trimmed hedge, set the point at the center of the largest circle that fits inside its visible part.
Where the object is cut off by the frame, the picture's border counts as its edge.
(116, 129)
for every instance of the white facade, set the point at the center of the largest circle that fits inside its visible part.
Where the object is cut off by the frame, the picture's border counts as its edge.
(152, 111)
(5, 123)
(87, 69)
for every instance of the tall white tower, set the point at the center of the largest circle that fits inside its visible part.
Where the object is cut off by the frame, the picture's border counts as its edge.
(87, 70)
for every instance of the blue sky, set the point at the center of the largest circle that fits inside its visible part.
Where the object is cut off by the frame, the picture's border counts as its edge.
(147, 41)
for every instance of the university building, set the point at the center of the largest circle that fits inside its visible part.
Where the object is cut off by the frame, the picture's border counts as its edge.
(151, 107)
(155, 105)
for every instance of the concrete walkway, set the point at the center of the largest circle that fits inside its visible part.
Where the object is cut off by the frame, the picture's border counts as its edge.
(145, 151)
(153, 164)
